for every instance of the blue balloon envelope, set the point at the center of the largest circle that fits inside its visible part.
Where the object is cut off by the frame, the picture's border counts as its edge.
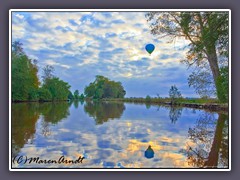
(149, 48)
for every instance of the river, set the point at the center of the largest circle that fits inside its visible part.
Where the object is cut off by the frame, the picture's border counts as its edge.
(116, 135)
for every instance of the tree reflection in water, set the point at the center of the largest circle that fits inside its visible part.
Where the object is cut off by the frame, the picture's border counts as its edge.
(175, 113)
(210, 142)
(25, 116)
(103, 111)
(207, 145)
(54, 112)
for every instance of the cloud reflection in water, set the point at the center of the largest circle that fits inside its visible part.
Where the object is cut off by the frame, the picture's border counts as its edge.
(117, 143)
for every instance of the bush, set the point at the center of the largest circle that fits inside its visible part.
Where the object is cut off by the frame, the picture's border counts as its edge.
(33, 95)
(44, 94)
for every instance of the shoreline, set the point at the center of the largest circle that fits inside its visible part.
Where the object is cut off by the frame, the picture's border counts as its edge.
(204, 106)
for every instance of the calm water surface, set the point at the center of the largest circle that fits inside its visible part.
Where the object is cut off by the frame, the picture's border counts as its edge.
(116, 135)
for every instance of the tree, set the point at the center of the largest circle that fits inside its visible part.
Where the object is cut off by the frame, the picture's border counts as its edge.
(89, 91)
(102, 87)
(207, 33)
(76, 94)
(174, 94)
(58, 88)
(25, 82)
(47, 73)
(24, 75)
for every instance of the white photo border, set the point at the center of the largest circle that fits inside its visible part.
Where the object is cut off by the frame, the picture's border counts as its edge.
(115, 10)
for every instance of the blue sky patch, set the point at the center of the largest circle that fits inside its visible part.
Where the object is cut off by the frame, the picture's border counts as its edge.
(81, 45)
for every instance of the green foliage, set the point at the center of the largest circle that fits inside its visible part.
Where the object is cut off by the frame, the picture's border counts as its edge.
(33, 95)
(58, 88)
(174, 94)
(24, 75)
(222, 85)
(25, 82)
(102, 87)
(89, 91)
(44, 94)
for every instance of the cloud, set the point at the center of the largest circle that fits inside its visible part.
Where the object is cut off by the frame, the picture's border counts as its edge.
(19, 16)
(53, 63)
(103, 43)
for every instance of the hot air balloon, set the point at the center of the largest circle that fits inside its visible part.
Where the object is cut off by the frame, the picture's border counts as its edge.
(150, 48)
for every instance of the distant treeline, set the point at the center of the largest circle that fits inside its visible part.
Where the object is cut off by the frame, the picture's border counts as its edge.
(26, 85)
(102, 87)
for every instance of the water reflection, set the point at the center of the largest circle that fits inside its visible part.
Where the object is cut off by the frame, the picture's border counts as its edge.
(175, 113)
(210, 142)
(25, 116)
(54, 112)
(144, 137)
(149, 153)
(103, 111)
(75, 103)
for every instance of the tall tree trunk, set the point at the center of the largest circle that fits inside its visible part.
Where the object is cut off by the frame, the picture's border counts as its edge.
(213, 62)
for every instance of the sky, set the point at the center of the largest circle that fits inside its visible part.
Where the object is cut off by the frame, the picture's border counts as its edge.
(81, 45)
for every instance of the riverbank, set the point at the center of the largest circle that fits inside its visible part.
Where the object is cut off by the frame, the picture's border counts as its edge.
(208, 104)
